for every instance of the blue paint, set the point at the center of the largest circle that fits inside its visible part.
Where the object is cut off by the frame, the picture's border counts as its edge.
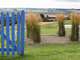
(2, 33)
(18, 33)
(13, 36)
(22, 32)
(7, 31)
(18, 48)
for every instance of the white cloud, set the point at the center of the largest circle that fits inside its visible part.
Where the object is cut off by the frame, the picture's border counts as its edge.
(68, 0)
(38, 4)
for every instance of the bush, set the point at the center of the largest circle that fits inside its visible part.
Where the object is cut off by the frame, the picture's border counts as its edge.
(67, 18)
(75, 26)
(60, 19)
(33, 29)
(45, 20)
(42, 16)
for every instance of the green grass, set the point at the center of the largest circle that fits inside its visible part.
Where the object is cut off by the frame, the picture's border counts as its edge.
(52, 29)
(46, 11)
(69, 22)
(53, 51)
(48, 51)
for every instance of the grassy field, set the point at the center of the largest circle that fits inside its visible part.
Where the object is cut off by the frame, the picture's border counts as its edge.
(38, 11)
(52, 51)
(52, 29)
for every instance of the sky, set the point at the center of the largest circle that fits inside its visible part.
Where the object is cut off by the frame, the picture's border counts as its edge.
(40, 4)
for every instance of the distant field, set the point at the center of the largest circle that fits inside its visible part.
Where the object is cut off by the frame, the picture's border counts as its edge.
(46, 11)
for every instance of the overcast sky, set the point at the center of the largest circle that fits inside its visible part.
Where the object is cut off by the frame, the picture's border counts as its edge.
(40, 4)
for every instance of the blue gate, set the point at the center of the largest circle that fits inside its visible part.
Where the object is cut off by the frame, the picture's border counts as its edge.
(20, 33)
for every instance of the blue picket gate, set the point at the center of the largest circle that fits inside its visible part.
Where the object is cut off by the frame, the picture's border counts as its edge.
(20, 38)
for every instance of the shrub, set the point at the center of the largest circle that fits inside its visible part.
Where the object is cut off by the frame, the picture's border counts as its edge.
(60, 19)
(32, 24)
(42, 16)
(75, 26)
(67, 18)
(46, 20)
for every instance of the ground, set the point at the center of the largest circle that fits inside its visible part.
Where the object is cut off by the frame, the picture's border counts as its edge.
(51, 39)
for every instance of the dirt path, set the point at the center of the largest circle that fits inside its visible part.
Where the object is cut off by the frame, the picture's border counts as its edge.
(43, 23)
(51, 39)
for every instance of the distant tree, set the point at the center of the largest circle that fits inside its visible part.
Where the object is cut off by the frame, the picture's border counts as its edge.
(42, 16)
(47, 17)
(68, 18)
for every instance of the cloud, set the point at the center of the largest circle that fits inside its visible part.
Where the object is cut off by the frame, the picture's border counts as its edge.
(40, 4)
(68, 0)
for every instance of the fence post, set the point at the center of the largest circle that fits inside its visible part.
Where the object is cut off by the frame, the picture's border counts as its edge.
(22, 32)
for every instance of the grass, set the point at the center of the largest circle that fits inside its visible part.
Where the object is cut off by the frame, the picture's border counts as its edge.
(46, 11)
(52, 29)
(54, 51)
(69, 22)
(48, 51)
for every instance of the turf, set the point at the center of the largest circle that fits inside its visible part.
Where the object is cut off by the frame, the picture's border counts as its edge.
(54, 51)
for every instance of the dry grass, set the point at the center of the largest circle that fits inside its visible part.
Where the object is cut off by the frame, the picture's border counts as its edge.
(32, 23)
(75, 26)
(75, 17)
(60, 18)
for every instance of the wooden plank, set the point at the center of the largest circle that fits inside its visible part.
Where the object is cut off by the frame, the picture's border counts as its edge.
(22, 32)
(2, 33)
(18, 33)
(10, 49)
(13, 37)
(7, 31)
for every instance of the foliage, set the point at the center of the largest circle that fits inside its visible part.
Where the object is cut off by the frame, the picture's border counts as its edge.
(42, 16)
(75, 26)
(68, 18)
(46, 19)
(32, 23)
(60, 19)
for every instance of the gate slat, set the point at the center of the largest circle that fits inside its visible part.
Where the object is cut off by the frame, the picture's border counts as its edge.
(18, 33)
(7, 31)
(22, 32)
(13, 37)
(2, 33)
